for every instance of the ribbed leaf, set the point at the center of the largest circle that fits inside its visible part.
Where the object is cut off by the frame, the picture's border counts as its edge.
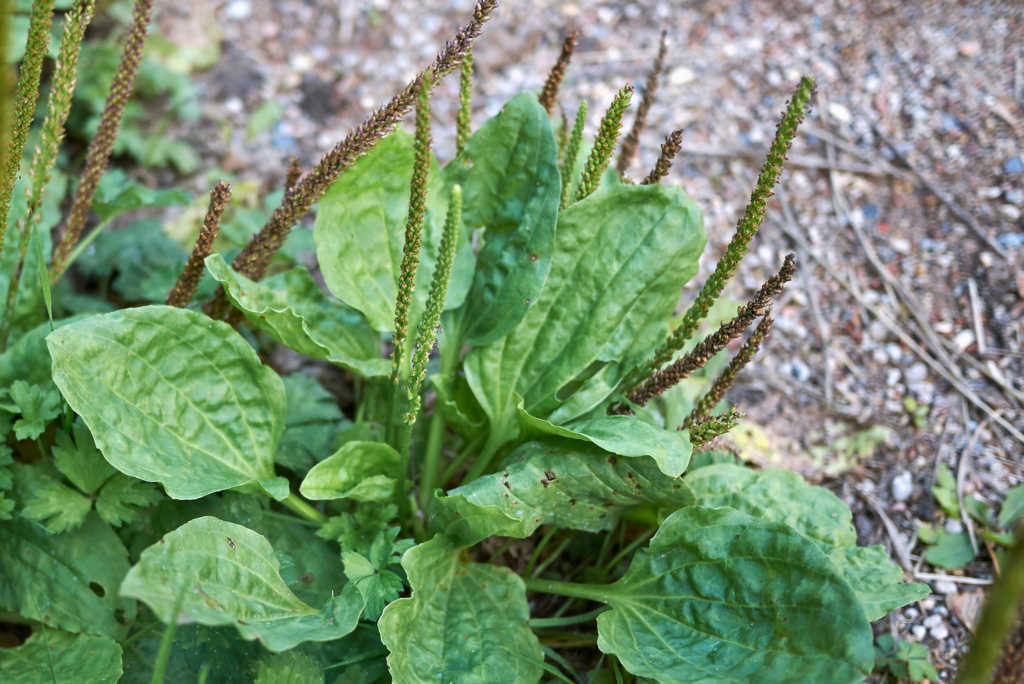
(621, 435)
(620, 259)
(510, 187)
(65, 580)
(174, 397)
(364, 471)
(465, 622)
(54, 657)
(566, 484)
(291, 308)
(360, 230)
(230, 576)
(816, 513)
(723, 597)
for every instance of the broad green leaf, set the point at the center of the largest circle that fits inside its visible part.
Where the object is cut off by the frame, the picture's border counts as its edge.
(360, 230)
(782, 496)
(26, 357)
(510, 187)
(877, 581)
(778, 496)
(566, 484)
(51, 656)
(1012, 508)
(65, 580)
(291, 308)
(311, 424)
(953, 550)
(465, 622)
(288, 668)
(620, 259)
(364, 471)
(459, 408)
(723, 597)
(621, 435)
(230, 576)
(171, 396)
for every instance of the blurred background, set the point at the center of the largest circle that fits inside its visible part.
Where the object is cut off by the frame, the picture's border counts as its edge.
(893, 375)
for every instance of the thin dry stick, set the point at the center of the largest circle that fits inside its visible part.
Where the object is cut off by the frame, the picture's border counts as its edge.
(254, 258)
(103, 142)
(758, 305)
(669, 149)
(797, 161)
(629, 144)
(183, 291)
(549, 93)
(905, 337)
(943, 196)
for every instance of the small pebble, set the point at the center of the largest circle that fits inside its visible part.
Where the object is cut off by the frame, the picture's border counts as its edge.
(902, 486)
(945, 587)
(911, 613)
(238, 9)
(954, 526)
(919, 631)
(1013, 165)
(927, 603)
(932, 621)
(939, 632)
(963, 340)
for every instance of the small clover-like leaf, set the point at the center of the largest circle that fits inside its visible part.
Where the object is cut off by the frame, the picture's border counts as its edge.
(122, 497)
(37, 407)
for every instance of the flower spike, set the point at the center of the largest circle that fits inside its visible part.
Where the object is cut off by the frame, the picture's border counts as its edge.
(632, 139)
(549, 93)
(604, 143)
(572, 152)
(669, 149)
(183, 291)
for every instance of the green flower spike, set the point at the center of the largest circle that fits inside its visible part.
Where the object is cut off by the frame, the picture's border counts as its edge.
(604, 143)
(572, 152)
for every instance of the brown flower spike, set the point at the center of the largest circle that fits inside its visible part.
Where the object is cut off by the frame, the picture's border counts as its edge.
(632, 139)
(106, 134)
(669, 149)
(254, 258)
(183, 291)
(673, 373)
(549, 93)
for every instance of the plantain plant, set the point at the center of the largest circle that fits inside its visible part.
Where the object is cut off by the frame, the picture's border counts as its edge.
(540, 497)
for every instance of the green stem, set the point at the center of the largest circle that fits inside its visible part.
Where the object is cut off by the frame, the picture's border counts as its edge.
(81, 247)
(592, 592)
(449, 347)
(163, 656)
(542, 623)
(483, 461)
(457, 462)
(554, 554)
(402, 445)
(535, 556)
(639, 541)
(292, 519)
(300, 506)
(997, 619)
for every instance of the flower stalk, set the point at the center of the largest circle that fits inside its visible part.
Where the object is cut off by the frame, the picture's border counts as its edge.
(549, 93)
(727, 377)
(632, 139)
(24, 103)
(462, 120)
(103, 142)
(572, 153)
(254, 258)
(185, 288)
(746, 229)
(708, 428)
(50, 137)
(669, 149)
(672, 374)
(604, 143)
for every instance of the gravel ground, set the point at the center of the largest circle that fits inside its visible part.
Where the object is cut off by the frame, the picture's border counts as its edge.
(899, 345)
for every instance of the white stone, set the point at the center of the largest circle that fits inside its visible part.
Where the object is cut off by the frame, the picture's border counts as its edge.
(932, 621)
(954, 526)
(945, 587)
(939, 632)
(902, 486)
(963, 339)
(919, 631)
